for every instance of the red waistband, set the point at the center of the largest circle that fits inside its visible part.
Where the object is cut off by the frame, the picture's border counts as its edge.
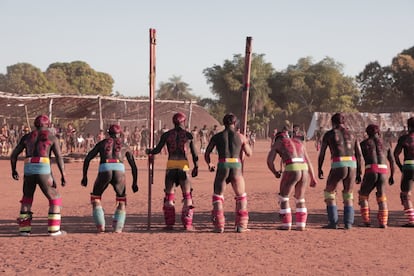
(112, 161)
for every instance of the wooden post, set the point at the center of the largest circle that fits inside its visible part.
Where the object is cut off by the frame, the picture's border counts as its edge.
(246, 85)
(245, 93)
(152, 34)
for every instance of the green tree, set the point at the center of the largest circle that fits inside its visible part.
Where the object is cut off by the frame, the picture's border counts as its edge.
(376, 86)
(80, 79)
(307, 87)
(227, 84)
(24, 78)
(403, 67)
(175, 89)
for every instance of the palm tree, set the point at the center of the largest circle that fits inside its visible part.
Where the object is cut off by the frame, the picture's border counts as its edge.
(175, 89)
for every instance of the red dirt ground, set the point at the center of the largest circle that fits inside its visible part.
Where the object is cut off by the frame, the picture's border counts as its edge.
(138, 251)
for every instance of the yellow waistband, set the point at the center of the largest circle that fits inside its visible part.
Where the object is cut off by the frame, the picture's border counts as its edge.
(37, 160)
(178, 164)
(408, 162)
(229, 160)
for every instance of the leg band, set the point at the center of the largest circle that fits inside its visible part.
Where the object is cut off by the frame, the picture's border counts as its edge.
(301, 218)
(365, 215)
(53, 223)
(349, 214)
(332, 211)
(98, 215)
(285, 216)
(362, 197)
(169, 215)
(217, 215)
(410, 215)
(25, 223)
(382, 218)
(187, 217)
(242, 215)
(118, 221)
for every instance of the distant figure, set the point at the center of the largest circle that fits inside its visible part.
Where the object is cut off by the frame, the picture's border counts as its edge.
(388, 138)
(297, 133)
(203, 134)
(375, 154)
(230, 145)
(297, 175)
(345, 168)
(39, 144)
(177, 141)
(111, 152)
(406, 144)
(318, 138)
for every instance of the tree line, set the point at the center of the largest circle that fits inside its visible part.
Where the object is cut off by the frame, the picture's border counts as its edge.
(277, 98)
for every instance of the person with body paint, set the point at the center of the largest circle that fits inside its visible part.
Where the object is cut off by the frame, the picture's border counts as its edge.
(230, 145)
(345, 168)
(111, 170)
(406, 144)
(178, 141)
(38, 145)
(297, 175)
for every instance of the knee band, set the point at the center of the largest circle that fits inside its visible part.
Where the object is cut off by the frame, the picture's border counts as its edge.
(187, 196)
(381, 198)
(363, 197)
(282, 199)
(25, 222)
(53, 222)
(329, 196)
(95, 199)
(217, 199)
(347, 196)
(26, 200)
(300, 200)
(169, 215)
(169, 199)
(118, 221)
(98, 215)
(55, 202)
(120, 199)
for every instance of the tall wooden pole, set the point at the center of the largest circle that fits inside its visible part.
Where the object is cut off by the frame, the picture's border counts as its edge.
(152, 34)
(246, 89)
(246, 85)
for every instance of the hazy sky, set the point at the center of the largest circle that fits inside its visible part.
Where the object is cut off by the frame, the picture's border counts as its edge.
(113, 36)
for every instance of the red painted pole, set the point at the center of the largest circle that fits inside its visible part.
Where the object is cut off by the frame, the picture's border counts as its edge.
(152, 34)
(246, 85)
